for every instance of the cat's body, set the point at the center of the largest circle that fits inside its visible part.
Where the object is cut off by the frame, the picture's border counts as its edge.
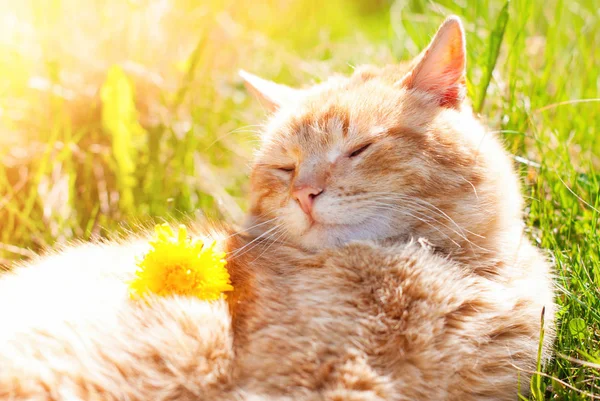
(397, 322)
(363, 321)
(387, 157)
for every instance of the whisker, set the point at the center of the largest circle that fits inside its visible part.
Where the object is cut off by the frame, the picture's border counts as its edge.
(461, 235)
(408, 202)
(239, 250)
(424, 203)
(403, 211)
(245, 229)
(399, 209)
(283, 233)
(255, 242)
(236, 131)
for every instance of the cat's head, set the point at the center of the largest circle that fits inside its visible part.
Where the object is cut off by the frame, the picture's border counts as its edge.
(390, 152)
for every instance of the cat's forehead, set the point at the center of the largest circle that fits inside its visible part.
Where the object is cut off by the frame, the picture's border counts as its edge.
(344, 117)
(332, 122)
(328, 135)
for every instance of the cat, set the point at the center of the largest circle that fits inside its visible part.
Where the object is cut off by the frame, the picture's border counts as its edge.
(383, 258)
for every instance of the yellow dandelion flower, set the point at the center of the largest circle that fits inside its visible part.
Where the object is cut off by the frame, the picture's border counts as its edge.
(178, 265)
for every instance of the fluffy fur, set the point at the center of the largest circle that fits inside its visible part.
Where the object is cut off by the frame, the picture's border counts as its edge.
(409, 279)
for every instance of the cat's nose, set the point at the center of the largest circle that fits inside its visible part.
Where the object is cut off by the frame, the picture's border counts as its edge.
(305, 196)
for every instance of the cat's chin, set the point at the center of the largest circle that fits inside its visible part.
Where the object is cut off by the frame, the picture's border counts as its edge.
(320, 236)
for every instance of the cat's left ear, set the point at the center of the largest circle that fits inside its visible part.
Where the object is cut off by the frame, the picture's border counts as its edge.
(440, 69)
(270, 94)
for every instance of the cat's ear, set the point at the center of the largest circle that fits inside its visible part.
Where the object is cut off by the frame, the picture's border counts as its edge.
(440, 69)
(270, 94)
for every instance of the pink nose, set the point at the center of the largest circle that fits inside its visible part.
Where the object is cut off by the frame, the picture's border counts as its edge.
(306, 196)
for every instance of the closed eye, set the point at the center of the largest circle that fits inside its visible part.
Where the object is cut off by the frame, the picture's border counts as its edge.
(359, 150)
(287, 169)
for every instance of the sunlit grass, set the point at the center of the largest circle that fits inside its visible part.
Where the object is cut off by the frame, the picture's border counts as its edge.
(115, 113)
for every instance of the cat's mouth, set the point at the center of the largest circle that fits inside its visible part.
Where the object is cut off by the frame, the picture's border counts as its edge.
(324, 235)
(327, 232)
(316, 225)
(321, 222)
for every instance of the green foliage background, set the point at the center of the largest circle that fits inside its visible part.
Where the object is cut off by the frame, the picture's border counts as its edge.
(119, 113)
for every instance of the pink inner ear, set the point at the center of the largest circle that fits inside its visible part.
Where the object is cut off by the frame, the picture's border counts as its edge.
(441, 70)
(451, 98)
(454, 92)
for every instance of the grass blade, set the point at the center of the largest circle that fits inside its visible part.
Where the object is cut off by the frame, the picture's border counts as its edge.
(496, 37)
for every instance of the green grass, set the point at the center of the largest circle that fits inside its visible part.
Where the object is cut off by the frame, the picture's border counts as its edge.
(114, 113)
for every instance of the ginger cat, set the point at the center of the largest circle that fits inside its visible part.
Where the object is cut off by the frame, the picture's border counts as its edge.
(384, 259)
